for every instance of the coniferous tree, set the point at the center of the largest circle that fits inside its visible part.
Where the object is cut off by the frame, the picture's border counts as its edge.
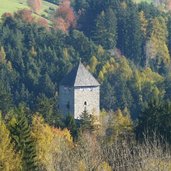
(129, 31)
(86, 121)
(155, 118)
(71, 125)
(105, 31)
(5, 98)
(24, 143)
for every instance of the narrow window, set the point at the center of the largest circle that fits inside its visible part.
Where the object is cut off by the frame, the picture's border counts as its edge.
(68, 105)
(85, 105)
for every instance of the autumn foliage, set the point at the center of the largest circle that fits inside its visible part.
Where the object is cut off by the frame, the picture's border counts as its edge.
(64, 17)
(169, 5)
(35, 5)
(25, 15)
(42, 22)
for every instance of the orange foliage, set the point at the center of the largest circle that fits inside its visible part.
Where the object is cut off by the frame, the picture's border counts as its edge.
(6, 14)
(169, 5)
(25, 15)
(35, 5)
(60, 24)
(42, 22)
(64, 17)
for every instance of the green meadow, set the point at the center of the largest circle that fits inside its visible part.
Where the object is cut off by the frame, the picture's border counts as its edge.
(14, 5)
(138, 1)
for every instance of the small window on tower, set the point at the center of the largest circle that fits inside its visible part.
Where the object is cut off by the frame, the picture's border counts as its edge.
(85, 103)
(68, 105)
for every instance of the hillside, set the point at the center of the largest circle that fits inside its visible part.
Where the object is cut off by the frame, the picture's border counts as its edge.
(49, 124)
(138, 1)
(14, 5)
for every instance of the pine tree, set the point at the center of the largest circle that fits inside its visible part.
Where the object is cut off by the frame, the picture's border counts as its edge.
(71, 125)
(129, 32)
(24, 143)
(5, 97)
(155, 118)
(86, 122)
(105, 32)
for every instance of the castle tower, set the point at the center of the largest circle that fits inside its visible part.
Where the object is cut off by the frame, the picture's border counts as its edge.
(78, 91)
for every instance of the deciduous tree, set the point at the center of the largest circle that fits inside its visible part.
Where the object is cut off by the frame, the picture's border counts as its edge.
(10, 160)
(64, 17)
(35, 5)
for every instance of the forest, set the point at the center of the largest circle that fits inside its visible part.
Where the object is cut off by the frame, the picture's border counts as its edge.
(126, 46)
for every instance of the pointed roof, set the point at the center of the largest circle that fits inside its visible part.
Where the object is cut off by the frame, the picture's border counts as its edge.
(79, 76)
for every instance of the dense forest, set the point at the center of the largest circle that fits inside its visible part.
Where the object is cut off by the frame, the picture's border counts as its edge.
(127, 47)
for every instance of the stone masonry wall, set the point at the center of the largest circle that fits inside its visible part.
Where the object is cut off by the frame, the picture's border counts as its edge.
(66, 100)
(91, 96)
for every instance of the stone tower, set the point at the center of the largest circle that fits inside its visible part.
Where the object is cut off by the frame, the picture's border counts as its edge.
(78, 91)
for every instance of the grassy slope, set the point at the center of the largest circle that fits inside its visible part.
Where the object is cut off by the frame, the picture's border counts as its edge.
(14, 5)
(138, 1)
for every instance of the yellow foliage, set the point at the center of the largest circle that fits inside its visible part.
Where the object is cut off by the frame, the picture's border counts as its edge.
(119, 124)
(104, 71)
(101, 76)
(65, 134)
(9, 65)
(156, 47)
(154, 163)
(124, 5)
(43, 137)
(146, 76)
(81, 166)
(65, 54)
(144, 22)
(100, 51)
(120, 65)
(104, 166)
(124, 68)
(49, 141)
(33, 52)
(123, 122)
(150, 76)
(93, 64)
(2, 55)
(9, 159)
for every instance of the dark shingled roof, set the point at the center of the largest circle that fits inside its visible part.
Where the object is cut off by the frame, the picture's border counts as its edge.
(79, 76)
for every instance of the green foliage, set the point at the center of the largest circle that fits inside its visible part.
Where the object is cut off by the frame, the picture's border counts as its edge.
(48, 109)
(125, 45)
(155, 119)
(71, 125)
(23, 141)
(12, 6)
(86, 122)
(5, 98)
(157, 50)
(105, 31)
